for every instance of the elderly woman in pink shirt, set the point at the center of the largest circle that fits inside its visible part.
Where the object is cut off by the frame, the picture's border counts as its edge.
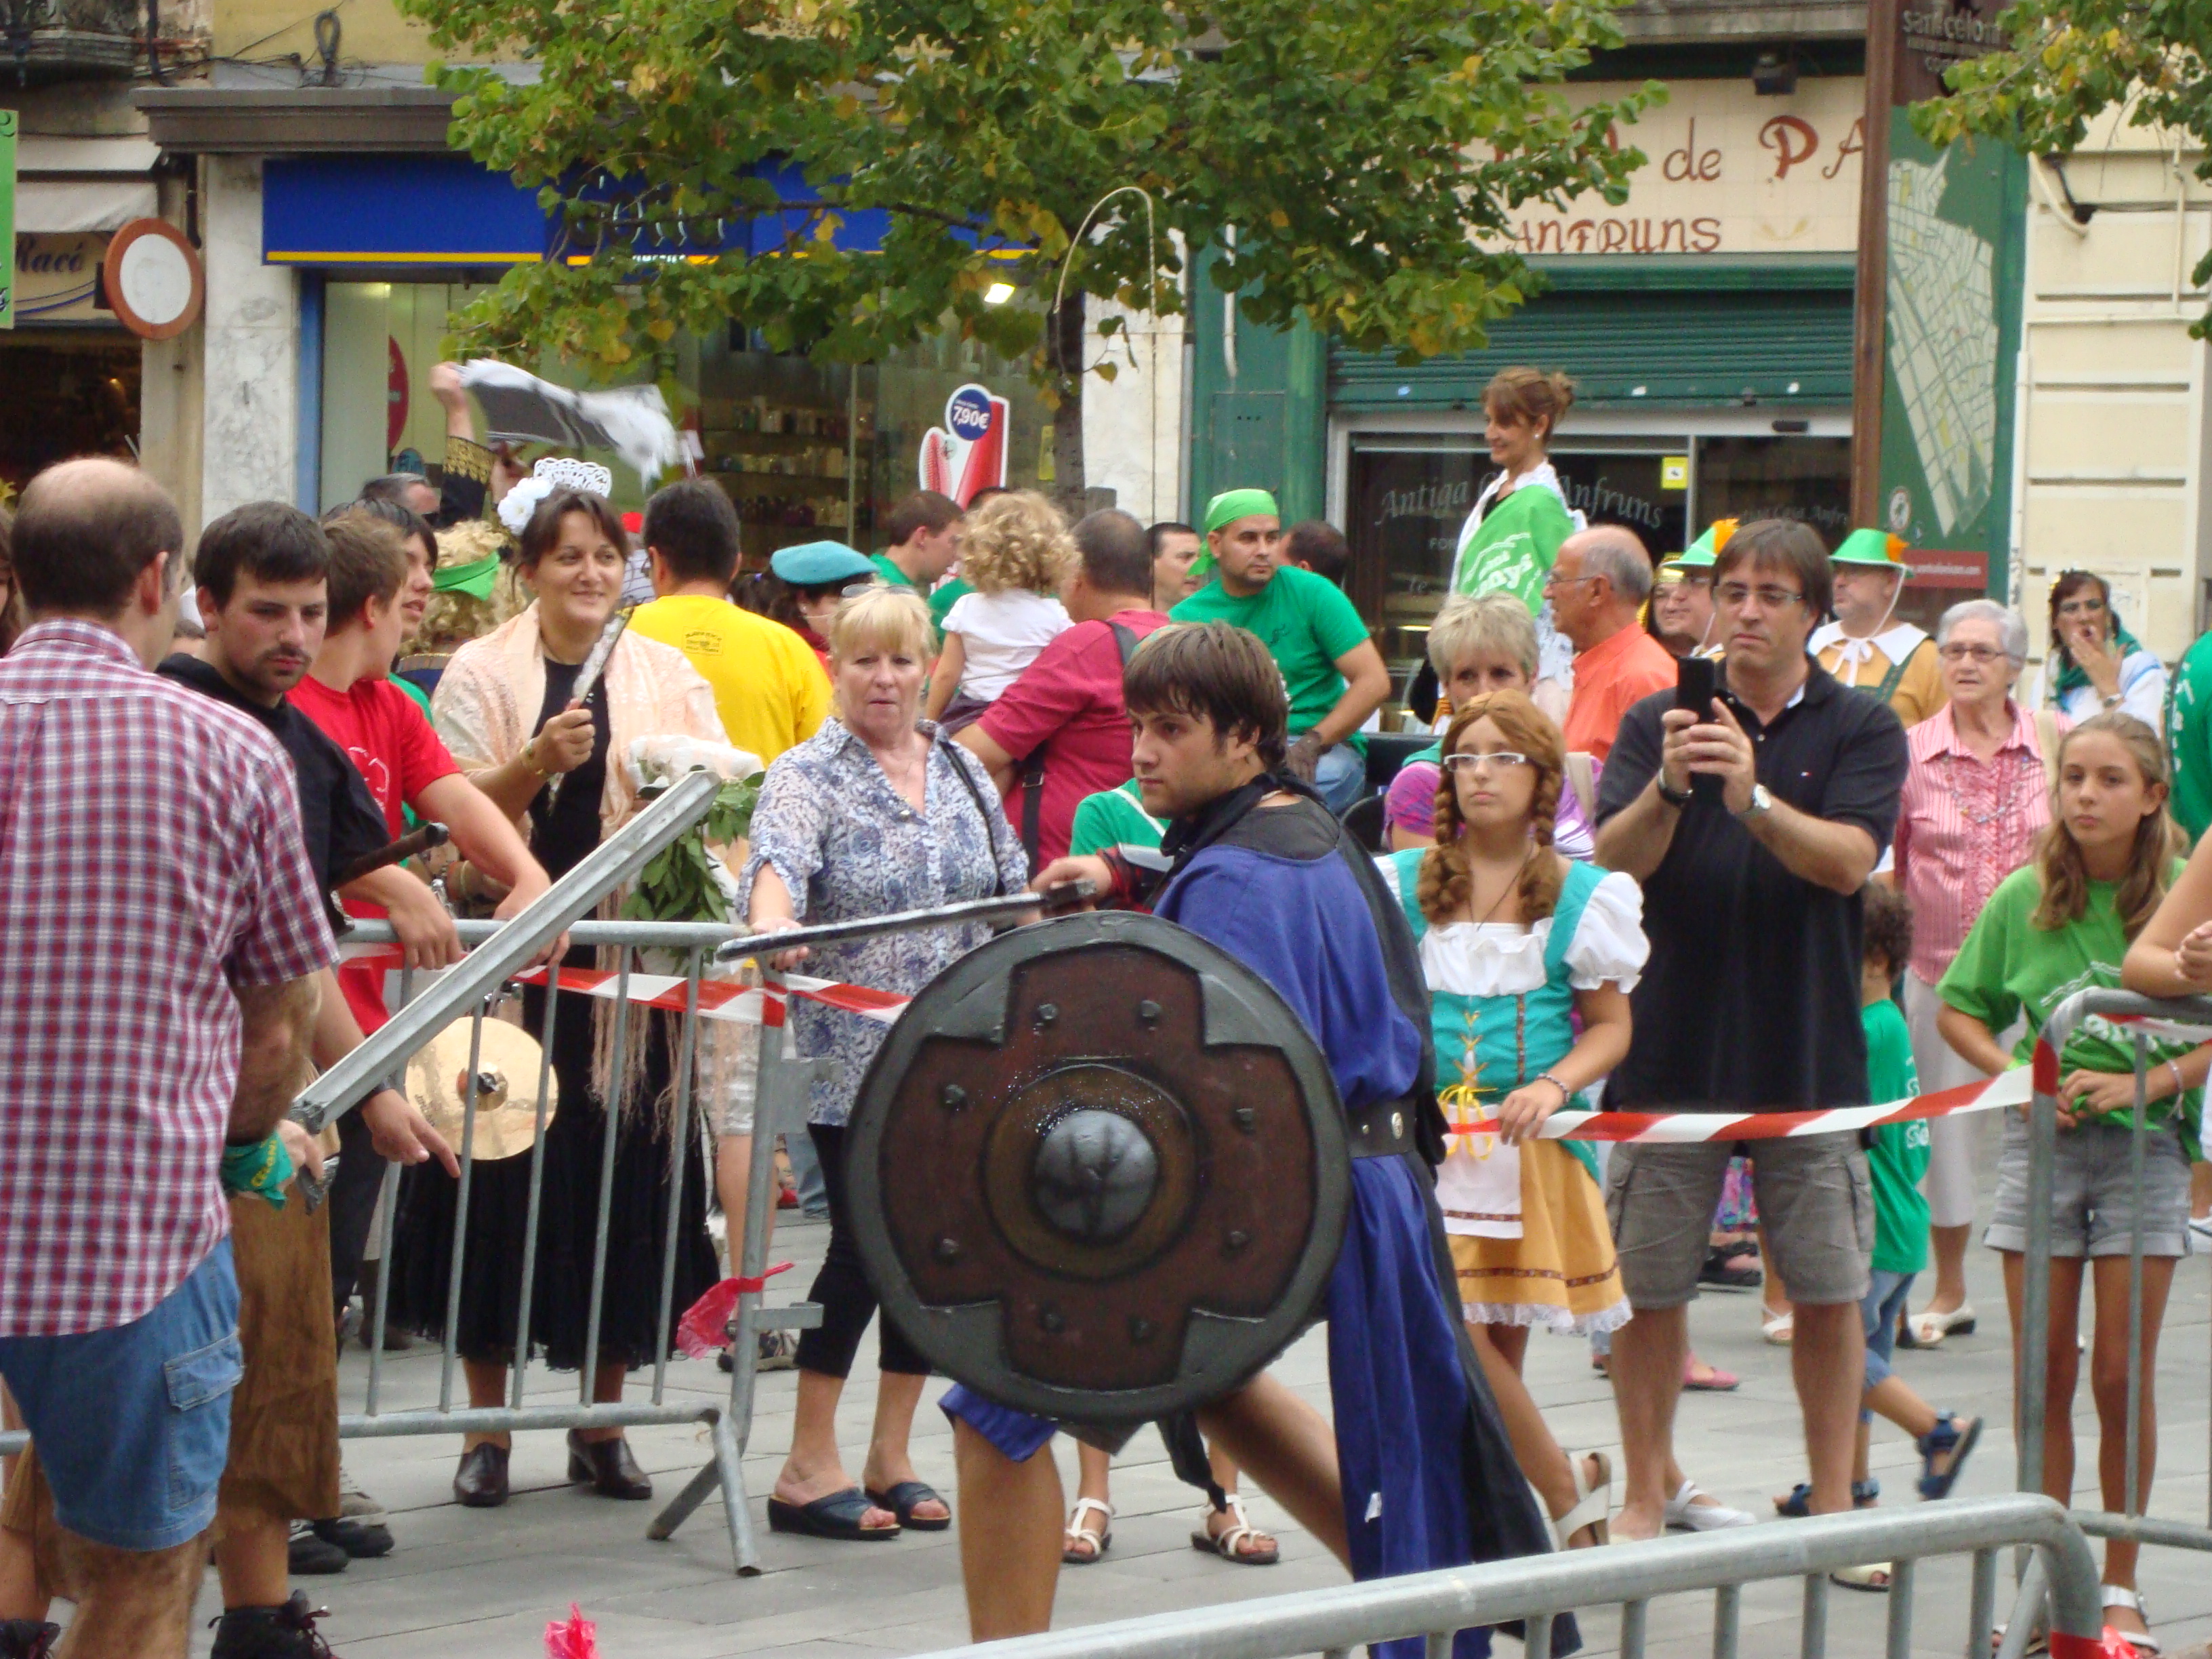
(1976, 797)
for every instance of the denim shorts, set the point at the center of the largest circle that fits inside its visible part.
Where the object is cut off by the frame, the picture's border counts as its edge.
(2094, 1200)
(132, 1424)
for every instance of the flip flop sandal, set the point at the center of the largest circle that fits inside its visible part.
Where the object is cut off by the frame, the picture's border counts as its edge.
(1592, 1506)
(900, 1499)
(1949, 1436)
(837, 1517)
(1224, 1545)
(1100, 1541)
(1872, 1576)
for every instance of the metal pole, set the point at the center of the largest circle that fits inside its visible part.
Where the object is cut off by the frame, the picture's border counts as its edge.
(387, 1204)
(460, 1213)
(1900, 1608)
(1813, 1641)
(679, 1135)
(1634, 1616)
(2032, 1363)
(1727, 1620)
(528, 1293)
(1982, 1603)
(2136, 1129)
(586, 1372)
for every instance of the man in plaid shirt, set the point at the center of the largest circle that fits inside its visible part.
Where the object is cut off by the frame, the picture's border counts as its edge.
(160, 929)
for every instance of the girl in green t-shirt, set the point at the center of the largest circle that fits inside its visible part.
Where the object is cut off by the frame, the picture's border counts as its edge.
(2059, 926)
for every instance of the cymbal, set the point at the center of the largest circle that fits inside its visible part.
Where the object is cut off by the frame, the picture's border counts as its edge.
(509, 1062)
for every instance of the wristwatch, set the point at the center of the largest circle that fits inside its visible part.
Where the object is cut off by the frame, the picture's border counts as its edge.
(1761, 803)
(1676, 798)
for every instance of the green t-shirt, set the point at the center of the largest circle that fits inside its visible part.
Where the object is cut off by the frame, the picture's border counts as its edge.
(948, 594)
(1306, 624)
(891, 573)
(2189, 736)
(1514, 546)
(1113, 817)
(2008, 967)
(1898, 1155)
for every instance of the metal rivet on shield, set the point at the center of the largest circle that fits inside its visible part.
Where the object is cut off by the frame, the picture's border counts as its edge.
(1046, 1013)
(1049, 1317)
(1140, 1330)
(952, 1096)
(1244, 1117)
(1148, 1014)
(948, 1248)
(1397, 1126)
(1237, 1239)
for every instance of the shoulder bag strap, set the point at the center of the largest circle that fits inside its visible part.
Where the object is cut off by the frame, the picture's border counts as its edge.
(1582, 778)
(982, 812)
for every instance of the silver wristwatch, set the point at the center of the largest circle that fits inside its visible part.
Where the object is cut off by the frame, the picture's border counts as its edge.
(1761, 803)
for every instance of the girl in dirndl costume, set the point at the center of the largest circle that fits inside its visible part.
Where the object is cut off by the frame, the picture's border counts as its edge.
(1517, 944)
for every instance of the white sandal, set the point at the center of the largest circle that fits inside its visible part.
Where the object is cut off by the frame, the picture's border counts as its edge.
(2115, 1596)
(1099, 1541)
(1685, 1514)
(1226, 1545)
(1592, 1506)
(1777, 1328)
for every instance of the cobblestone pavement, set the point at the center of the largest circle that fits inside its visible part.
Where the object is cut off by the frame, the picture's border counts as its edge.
(482, 1584)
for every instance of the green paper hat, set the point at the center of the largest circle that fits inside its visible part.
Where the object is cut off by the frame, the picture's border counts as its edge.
(1872, 547)
(1225, 508)
(1703, 553)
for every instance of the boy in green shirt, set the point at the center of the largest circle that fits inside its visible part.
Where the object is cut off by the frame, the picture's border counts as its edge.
(1897, 1158)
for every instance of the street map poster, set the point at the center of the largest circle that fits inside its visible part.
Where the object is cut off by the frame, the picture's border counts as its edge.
(1952, 328)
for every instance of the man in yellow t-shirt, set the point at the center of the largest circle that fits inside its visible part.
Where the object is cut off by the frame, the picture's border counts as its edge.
(769, 685)
(1866, 647)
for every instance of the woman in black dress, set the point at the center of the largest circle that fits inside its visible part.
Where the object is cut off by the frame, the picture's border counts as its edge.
(505, 706)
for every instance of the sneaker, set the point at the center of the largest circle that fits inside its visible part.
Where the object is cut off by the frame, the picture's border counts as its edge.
(354, 1504)
(27, 1638)
(362, 1541)
(285, 1632)
(311, 1555)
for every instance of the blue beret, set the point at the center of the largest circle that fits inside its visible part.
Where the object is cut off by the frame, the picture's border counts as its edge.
(817, 564)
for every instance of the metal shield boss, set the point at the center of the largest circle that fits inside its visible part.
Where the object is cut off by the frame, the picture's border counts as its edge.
(1099, 1172)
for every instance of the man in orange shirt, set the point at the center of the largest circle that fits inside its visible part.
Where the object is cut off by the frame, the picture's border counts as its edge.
(1601, 578)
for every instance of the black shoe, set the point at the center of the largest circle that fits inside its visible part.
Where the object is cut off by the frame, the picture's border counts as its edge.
(27, 1638)
(363, 1540)
(607, 1464)
(285, 1632)
(481, 1483)
(312, 1556)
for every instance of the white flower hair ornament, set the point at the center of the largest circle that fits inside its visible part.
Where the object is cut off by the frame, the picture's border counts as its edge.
(552, 474)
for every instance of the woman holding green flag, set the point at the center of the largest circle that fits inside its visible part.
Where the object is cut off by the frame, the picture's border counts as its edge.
(1512, 539)
(2094, 666)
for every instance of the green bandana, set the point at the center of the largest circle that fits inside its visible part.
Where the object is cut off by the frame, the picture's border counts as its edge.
(260, 1169)
(474, 579)
(1234, 504)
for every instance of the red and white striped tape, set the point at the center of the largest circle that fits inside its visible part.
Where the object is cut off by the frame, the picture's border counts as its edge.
(2010, 1088)
(718, 999)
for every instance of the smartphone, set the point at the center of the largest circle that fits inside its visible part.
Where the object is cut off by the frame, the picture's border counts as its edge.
(1695, 686)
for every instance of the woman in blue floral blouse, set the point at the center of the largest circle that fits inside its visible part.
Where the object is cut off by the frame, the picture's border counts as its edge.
(875, 813)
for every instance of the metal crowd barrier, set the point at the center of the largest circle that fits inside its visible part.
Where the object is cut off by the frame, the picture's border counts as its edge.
(2132, 1524)
(1337, 1621)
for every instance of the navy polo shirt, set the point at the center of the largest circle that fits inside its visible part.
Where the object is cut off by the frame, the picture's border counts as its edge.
(1750, 1001)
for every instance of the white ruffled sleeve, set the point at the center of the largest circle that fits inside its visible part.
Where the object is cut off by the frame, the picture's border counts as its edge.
(1609, 947)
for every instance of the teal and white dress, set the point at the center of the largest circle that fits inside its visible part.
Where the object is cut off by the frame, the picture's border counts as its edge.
(1527, 1226)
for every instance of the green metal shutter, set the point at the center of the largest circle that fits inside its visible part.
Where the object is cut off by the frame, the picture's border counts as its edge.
(1785, 348)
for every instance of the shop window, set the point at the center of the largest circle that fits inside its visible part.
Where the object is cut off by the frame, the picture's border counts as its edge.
(1804, 478)
(73, 393)
(1402, 520)
(1634, 489)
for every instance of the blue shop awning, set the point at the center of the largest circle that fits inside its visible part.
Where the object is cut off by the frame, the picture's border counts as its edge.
(429, 210)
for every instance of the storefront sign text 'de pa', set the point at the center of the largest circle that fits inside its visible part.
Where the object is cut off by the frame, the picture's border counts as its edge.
(969, 451)
(1727, 173)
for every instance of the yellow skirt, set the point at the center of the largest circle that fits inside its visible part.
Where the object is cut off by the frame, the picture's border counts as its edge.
(1561, 1273)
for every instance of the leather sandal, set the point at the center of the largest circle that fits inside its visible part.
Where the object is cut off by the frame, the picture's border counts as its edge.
(1593, 1504)
(1228, 1545)
(481, 1481)
(837, 1517)
(900, 1496)
(2141, 1641)
(1949, 1438)
(1079, 1534)
(608, 1466)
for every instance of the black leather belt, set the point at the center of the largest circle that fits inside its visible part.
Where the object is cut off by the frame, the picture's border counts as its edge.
(1382, 1131)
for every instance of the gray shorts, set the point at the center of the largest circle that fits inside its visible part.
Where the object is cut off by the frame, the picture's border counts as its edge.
(2093, 1209)
(1814, 1197)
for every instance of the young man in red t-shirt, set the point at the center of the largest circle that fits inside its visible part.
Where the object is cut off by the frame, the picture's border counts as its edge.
(348, 694)
(1060, 732)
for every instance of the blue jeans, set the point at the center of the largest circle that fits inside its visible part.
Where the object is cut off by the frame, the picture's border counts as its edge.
(806, 1174)
(132, 1423)
(1341, 776)
(1885, 1301)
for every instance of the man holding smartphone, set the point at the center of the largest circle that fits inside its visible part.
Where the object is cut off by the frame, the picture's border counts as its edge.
(1751, 1002)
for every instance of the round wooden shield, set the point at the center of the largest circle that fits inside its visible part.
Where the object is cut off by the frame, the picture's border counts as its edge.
(1097, 1171)
(153, 277)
